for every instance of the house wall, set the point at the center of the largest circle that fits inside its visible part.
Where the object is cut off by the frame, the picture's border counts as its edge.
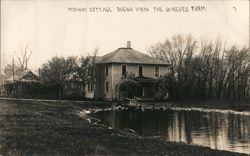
(116, 77)
(108, 79)
(98, 85)
(89, 94)
(99, 82)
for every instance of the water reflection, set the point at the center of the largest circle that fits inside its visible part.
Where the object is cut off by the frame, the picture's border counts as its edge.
(223, 131)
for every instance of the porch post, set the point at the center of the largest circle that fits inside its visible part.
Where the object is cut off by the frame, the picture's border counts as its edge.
(143, 91)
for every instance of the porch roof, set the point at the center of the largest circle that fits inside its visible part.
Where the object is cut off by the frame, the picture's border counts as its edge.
(133, 82)
(143, 79)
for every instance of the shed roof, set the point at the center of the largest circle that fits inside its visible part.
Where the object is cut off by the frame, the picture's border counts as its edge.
(129, 55)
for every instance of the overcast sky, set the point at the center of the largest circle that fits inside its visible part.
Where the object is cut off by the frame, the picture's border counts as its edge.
(50, 29)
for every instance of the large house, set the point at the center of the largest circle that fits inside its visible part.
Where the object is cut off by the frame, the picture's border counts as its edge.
(126, 72)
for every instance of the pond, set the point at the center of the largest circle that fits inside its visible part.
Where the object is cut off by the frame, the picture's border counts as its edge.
(217, 130)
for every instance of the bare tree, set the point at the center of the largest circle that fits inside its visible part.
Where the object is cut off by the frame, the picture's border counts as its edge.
(24, 58)
(214, 72)
(178, 51)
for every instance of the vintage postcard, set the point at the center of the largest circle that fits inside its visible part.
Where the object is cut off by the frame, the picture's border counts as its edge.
(125, 77)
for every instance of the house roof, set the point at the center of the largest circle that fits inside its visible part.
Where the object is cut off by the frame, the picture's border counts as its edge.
(24, 76)
(98, 59)
(129, 55)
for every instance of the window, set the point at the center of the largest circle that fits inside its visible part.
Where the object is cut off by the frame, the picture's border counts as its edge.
(90, 87)
(124, 70)
(90, 71)
(107, 87)
(140, 71)
(116, 89)
(107, 70)
(156, 71)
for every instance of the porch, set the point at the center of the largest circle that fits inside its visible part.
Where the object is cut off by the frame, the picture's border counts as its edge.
(141, 87)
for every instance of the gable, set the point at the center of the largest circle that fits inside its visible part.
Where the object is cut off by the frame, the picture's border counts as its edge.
(29, 77)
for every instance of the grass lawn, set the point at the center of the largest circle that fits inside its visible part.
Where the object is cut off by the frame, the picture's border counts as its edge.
(54, 128)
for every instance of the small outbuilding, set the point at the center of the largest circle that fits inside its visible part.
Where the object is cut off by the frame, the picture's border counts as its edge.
(23, 84)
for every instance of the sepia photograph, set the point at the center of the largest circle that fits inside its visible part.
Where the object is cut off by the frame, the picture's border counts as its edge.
(116, 77)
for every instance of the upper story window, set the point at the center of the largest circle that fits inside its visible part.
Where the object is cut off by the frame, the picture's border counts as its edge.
(106, 70)
(157, 71)
(124, 70)
(140, 71)
(90, 71)
(107, 86)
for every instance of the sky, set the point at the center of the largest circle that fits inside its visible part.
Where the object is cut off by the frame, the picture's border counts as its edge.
(56, 28)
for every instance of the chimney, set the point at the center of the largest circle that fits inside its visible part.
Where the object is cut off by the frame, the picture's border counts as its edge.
(128, 44)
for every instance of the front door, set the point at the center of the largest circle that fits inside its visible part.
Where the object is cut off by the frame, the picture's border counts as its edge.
(148, 91)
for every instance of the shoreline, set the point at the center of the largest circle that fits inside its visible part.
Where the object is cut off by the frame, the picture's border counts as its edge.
(54, 128)
(228, 105)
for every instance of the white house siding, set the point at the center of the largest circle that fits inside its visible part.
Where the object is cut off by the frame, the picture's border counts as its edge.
(108, 79)
(115, 78)
(89, 94)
